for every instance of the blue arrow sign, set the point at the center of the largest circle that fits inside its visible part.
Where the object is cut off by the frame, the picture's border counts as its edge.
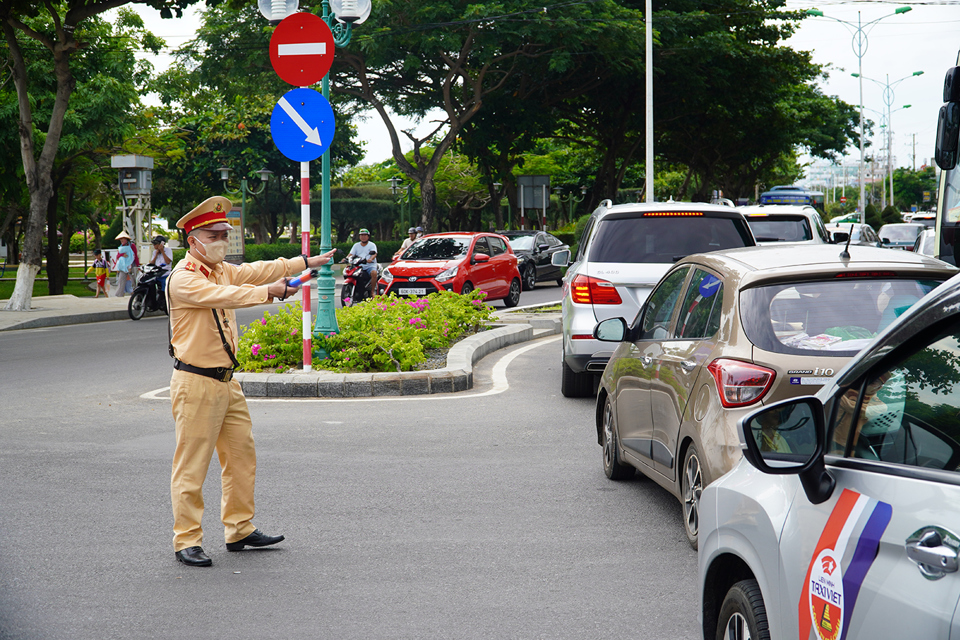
(302, 125)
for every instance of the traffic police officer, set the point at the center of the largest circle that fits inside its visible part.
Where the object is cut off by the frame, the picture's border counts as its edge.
(208, 405)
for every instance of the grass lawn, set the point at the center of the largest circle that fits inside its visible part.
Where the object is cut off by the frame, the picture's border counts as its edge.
(73, 287)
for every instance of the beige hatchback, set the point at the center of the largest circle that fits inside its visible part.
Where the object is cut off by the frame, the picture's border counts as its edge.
(725, 332)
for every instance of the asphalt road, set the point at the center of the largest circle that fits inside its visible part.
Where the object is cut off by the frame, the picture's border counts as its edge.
(483, 514)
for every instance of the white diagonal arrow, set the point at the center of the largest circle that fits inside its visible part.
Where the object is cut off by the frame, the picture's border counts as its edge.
(313, 135)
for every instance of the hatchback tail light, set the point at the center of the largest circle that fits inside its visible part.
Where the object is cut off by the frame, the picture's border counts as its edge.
(740, 383)
(588, 290)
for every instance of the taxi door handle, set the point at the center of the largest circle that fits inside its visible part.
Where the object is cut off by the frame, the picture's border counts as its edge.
(934, 557)
(688, 365)
(645, 361)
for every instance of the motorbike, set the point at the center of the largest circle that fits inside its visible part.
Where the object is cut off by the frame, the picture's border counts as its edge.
(148, 296)
(350, 293)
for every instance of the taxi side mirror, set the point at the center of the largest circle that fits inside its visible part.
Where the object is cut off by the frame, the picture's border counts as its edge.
(560, 258)
(480, 257)
(788, 438)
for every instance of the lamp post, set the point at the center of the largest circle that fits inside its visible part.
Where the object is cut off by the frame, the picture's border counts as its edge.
(888, 98)
(340, 19)
(571, 199)
(244, 190)
(859, 44)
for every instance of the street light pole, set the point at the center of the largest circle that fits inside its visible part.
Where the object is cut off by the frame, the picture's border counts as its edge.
(859, 45)
(888, 98)
(244, 191)
(326, 322)
(571, 199)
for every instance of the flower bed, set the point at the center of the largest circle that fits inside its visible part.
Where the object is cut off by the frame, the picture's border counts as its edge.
(379, 334)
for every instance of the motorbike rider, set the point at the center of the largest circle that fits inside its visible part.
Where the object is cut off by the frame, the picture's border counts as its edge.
(163, 258)
(411, 237)
(367, 251)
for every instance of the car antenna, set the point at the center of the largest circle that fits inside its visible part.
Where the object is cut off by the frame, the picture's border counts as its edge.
(845, 255)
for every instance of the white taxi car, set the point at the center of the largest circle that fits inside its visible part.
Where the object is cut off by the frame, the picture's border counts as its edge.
(843, 519)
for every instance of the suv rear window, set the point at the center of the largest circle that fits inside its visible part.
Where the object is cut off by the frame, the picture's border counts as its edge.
(780, 228)
(665, 239)
(840, 315)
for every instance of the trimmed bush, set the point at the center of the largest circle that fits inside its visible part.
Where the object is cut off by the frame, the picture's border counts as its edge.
(379, 334)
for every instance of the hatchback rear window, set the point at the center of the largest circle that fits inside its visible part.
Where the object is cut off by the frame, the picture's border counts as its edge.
(780, 228)
(437, 249)
(901, 234)
(665, 239)
(840, 315)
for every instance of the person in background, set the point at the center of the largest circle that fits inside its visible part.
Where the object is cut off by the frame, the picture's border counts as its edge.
(368, 251)
(124, 264)
(411, 238)
(163, 258)
(101, 269)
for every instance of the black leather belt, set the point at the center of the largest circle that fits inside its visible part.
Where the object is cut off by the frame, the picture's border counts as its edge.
(217, 373)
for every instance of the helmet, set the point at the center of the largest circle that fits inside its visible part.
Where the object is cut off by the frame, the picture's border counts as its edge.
(412, 230)
(364, 231)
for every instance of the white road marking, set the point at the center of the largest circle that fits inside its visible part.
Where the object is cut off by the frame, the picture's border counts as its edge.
(499, 376)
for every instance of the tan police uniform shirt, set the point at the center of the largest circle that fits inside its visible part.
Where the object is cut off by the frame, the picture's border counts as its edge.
(193, 289)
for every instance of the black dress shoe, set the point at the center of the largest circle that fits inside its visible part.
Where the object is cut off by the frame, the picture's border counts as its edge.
(194, 557)
(256, 539)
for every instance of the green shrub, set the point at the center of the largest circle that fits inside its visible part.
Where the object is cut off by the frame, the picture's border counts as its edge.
(380, 334)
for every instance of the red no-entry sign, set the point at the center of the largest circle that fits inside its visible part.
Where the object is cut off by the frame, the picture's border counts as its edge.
(843, 199)
(301, 49)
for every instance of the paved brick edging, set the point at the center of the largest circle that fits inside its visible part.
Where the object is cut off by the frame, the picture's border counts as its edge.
(456, 376)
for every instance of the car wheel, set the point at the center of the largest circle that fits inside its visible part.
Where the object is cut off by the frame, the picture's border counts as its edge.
(691, 486)
(137, 305)
(742, 615)
(575, 385)
(346, 295)
(529, 278)
(612, 467)
(513, 298)
(467, 288)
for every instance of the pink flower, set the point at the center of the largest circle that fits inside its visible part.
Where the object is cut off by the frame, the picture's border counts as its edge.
(263, 321)
(293, 332)
(255, 350)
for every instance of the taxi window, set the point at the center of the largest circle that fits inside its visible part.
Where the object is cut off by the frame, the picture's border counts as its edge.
(481, 246)
(496, 245)
(659, 308)
(836, 315)
(700, 310)
(907, 413)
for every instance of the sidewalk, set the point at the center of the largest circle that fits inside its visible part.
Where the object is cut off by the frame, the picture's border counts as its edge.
(513, 326)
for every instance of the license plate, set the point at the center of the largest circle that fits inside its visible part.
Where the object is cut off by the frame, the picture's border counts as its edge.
(412, 291)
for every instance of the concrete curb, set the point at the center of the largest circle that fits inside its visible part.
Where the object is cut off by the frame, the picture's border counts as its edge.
(456, 376)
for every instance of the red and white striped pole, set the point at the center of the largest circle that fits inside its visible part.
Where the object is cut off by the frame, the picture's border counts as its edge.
(305, 249)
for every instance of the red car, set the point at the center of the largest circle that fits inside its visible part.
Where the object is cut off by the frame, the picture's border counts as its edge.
(459, 261)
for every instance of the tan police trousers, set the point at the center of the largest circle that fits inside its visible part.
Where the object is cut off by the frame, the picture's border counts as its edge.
(209, 415)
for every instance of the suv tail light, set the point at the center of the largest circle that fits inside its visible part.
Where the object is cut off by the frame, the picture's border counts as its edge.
(740, 383)
(588, 290)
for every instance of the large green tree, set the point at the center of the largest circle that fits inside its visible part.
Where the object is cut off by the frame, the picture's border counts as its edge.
(416, 56)
(76, 97)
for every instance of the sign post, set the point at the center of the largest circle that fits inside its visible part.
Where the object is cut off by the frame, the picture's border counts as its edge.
(302, 123)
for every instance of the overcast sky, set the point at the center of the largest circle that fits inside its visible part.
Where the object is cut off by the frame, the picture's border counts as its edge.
(925, 39)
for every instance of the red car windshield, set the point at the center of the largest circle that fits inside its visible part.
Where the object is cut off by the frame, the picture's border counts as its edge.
(437, 249)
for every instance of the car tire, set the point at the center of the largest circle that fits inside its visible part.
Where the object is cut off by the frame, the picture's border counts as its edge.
(575, 385)
(513, 297)
(346, 295)
(467, 288)
(612, 467)
(529, 278)
(137, 305)
(691, 486)
(742, 614)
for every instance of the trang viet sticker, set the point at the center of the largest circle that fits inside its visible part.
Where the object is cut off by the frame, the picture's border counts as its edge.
(843, 556)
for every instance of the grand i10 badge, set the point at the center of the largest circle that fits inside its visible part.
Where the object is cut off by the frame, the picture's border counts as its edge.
(843, 556)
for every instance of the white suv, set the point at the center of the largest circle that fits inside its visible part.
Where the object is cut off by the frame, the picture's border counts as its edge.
(779, 223)
(624, 251)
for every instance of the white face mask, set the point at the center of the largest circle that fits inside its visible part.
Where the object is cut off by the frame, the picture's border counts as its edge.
(215, 251)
